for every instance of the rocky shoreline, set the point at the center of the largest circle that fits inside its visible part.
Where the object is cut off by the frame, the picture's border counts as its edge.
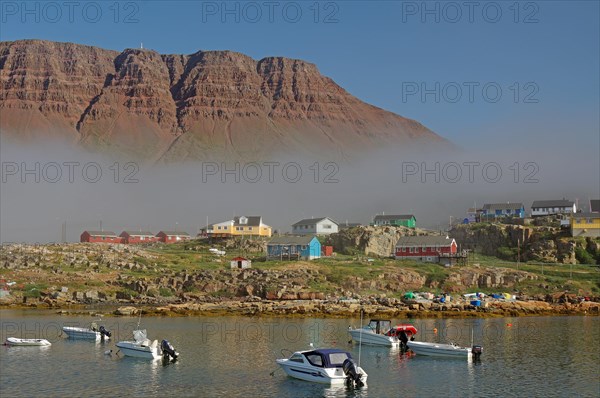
(381, 307)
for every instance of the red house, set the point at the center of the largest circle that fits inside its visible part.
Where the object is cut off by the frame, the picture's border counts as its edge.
(172, 236)
(425, 248)
(100, 237)
(135, 237)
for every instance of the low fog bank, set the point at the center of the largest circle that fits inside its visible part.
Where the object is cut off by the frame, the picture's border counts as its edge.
(45, 187)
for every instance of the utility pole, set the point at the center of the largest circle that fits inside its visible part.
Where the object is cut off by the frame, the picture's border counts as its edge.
(518, 253)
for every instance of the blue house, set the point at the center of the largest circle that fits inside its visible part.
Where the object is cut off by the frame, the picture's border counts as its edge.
(496, 210)
(294, 248)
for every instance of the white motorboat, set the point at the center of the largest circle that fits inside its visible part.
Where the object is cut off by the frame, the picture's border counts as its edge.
(92, 333)
(445, 350)
(377, 332)
(142, 347)
(27, 342)
(329, 366)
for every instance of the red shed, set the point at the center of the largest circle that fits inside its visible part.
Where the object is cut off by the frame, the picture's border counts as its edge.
(425, 248)
(172, 236)
(326, 251)
(100, 237)
(134, 237)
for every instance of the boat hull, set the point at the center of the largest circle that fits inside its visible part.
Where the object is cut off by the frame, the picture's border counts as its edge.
(439, 350)
(137, 350)
(313, 374)
(83, 333)
(370, 338)
(13, 341)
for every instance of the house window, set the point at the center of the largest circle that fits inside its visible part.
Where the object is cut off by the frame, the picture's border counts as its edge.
(589, 220)
(327, 226)
(412, 249)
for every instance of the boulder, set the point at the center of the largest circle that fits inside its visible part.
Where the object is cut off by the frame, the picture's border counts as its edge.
(126, 311)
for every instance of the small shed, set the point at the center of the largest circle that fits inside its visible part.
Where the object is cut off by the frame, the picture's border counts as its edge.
(294, 248)
(240, 263)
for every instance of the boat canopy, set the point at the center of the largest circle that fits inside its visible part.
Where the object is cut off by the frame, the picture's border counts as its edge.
(327, 358)
(409, 329)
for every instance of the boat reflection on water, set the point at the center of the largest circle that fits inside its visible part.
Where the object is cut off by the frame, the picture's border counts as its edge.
(335, 391)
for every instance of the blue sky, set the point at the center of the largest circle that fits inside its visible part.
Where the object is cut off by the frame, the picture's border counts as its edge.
(377, 49)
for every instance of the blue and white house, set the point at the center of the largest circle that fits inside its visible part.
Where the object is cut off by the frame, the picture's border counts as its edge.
(315, 226)
(508, 209)
(294, 248)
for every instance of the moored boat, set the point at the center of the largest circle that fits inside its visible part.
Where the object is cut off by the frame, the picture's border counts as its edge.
(15, 341)
(329, 366)
(380, 332)
(92, 333)
(142, 347)
(445, 350)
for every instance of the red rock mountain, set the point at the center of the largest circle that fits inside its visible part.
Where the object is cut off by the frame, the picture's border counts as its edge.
(210, 104)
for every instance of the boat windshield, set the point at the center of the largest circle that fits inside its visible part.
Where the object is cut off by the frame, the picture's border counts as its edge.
(379, 326)
(139, 335)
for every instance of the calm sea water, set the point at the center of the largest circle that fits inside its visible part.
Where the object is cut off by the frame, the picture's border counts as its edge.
(234, 356)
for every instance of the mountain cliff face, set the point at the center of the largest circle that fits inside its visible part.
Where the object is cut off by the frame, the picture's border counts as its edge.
(207, 105)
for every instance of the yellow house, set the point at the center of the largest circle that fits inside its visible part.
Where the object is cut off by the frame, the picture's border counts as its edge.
(240, 226)
(585, 224)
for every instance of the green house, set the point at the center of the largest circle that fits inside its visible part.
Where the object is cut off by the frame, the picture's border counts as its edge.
(397, 220)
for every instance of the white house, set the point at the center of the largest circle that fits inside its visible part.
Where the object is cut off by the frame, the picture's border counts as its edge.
(315, 226)
(549, 207)
(240, 263)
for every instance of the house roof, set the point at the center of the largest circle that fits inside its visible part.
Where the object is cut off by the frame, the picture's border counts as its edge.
(552, 203)
(503, 206)
(175, 233)
(291, 240)
(312, 221)
(586, 215)
(101, 233)
(137, 233)
(424, 241)
(595, 205)
(394, 217)
(239, 259)
(253, 221)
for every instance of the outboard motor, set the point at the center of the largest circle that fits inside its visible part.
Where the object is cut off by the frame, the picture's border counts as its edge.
(403, 341)
(351, 372)
(168, 351)
(476, 350)
(104, 332)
